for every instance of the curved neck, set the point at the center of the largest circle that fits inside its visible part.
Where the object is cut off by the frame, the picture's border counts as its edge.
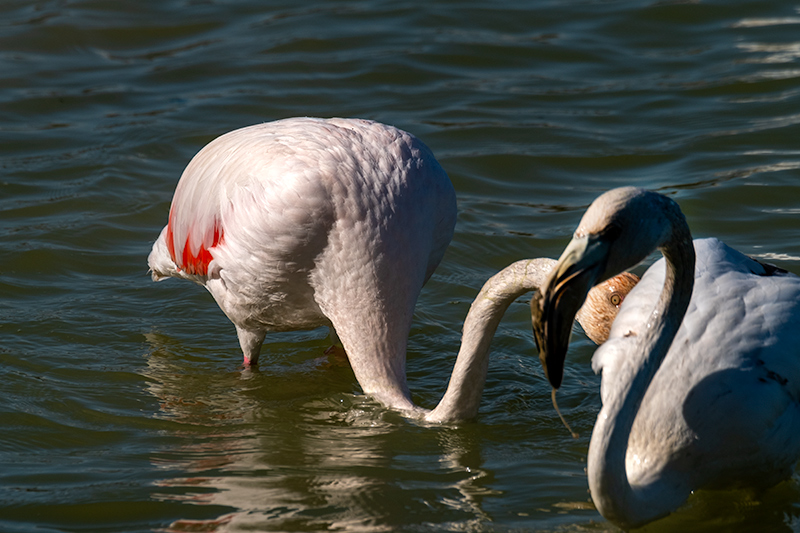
(611, 491)
(463, 395)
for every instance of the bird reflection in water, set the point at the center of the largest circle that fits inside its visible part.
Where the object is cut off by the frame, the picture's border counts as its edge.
(289, 450)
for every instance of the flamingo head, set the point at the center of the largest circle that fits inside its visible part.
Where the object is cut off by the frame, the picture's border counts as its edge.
(620, 229)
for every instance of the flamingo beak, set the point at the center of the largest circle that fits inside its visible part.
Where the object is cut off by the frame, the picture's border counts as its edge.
(580, 267)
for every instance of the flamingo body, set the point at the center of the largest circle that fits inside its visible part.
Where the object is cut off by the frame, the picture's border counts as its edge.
(701, 372)
(723, 409)
(304, 222)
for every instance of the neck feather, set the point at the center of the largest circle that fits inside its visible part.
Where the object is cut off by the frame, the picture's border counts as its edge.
(608, 481)
(462, 398)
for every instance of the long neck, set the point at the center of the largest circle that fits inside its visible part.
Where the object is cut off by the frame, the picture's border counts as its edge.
(464, 391)
(608, 481)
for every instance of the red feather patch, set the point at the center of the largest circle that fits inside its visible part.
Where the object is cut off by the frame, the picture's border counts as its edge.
(195, 263)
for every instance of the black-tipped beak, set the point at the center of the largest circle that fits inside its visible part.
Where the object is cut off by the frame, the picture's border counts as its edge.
(553, 311)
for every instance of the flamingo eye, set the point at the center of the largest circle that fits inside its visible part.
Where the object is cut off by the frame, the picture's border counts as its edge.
(616, 299)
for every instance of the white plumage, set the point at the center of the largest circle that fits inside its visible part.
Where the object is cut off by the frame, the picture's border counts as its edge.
(723, 408)
(304, 222)
(724, 405)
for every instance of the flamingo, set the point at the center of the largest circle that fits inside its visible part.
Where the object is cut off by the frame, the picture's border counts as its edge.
(700, 382)
(305, 222)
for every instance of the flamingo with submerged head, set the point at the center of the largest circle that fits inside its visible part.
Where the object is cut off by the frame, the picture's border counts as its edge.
(304, 222)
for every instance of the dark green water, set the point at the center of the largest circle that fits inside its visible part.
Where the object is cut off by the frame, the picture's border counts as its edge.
(123, 407)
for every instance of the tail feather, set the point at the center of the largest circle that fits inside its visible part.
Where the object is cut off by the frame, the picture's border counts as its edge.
(161, 264)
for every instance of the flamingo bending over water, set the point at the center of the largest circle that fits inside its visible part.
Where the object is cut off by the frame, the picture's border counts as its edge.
(305, 222)
(701, 372)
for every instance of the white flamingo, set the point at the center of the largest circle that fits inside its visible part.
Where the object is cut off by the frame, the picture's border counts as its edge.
(700, 387)
(304, 222)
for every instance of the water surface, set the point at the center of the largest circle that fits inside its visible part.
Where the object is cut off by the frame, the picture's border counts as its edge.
(124, 407)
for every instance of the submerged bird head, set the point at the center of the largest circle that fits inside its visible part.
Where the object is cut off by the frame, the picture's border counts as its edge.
(619, 230)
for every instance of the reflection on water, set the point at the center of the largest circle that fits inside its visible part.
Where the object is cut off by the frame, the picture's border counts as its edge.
(240, 446)
(460, 454)
(735, 510)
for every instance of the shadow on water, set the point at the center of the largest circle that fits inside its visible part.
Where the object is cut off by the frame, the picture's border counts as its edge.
(737, 511)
